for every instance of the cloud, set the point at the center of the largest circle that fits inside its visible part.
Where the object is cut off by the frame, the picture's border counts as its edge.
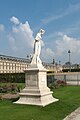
(15, 30)
(1, 27)
(21, 39)
(20, 43)
(73, 29)
(12, 43)
(71, 9)
(47, 54)
(58, 48)
(65, 43)
(14, 20)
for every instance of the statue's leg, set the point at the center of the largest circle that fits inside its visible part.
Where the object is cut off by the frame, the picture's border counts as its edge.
(38, 49)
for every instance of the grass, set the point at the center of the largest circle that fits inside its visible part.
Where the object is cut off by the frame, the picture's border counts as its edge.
(69, 100)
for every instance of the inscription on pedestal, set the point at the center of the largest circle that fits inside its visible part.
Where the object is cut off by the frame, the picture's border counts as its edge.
(32, 79)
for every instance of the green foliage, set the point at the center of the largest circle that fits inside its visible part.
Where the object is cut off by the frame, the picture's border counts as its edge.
(72, 70)
(12, 77)
(69, 100)
(54, 83)
(11, 87)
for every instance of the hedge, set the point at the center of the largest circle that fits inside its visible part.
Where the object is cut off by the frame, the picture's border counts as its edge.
(72, 70)
(12, 77)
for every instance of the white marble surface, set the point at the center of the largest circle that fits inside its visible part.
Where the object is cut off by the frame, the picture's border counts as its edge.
(36, 91)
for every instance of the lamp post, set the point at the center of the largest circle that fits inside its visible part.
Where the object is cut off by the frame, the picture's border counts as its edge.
(69, 61)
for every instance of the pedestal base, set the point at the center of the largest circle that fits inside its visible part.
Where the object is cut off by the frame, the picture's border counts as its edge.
(36, 91)
(35, 98)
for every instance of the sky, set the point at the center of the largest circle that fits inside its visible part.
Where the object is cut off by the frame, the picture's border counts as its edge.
(21, 20)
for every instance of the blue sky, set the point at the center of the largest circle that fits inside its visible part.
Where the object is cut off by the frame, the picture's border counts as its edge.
(20, 20)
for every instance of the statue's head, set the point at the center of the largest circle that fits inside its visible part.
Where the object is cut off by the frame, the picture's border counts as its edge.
(42, 31)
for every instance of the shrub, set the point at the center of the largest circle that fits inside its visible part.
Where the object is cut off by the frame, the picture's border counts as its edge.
(12, 88)
(61, 82)
(12, 77)
(57, 84)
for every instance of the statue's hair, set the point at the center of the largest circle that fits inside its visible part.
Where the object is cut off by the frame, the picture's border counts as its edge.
(42, 31)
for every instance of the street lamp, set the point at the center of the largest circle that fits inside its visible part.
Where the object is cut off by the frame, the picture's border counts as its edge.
(69, 61)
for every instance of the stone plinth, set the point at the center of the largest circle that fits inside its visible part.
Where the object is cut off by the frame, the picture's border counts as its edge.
(36, 91)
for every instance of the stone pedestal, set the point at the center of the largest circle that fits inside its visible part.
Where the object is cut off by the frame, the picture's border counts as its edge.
(36, 91)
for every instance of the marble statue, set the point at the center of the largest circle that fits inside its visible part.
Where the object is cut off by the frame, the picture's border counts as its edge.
(37, 48)
(36, 91)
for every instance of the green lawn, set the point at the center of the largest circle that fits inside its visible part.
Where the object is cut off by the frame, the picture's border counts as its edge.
(69, 100)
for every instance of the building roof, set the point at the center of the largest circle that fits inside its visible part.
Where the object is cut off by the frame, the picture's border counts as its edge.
(14, 58)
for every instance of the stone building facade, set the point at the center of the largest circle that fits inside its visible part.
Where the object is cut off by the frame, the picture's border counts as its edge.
(9, 64)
